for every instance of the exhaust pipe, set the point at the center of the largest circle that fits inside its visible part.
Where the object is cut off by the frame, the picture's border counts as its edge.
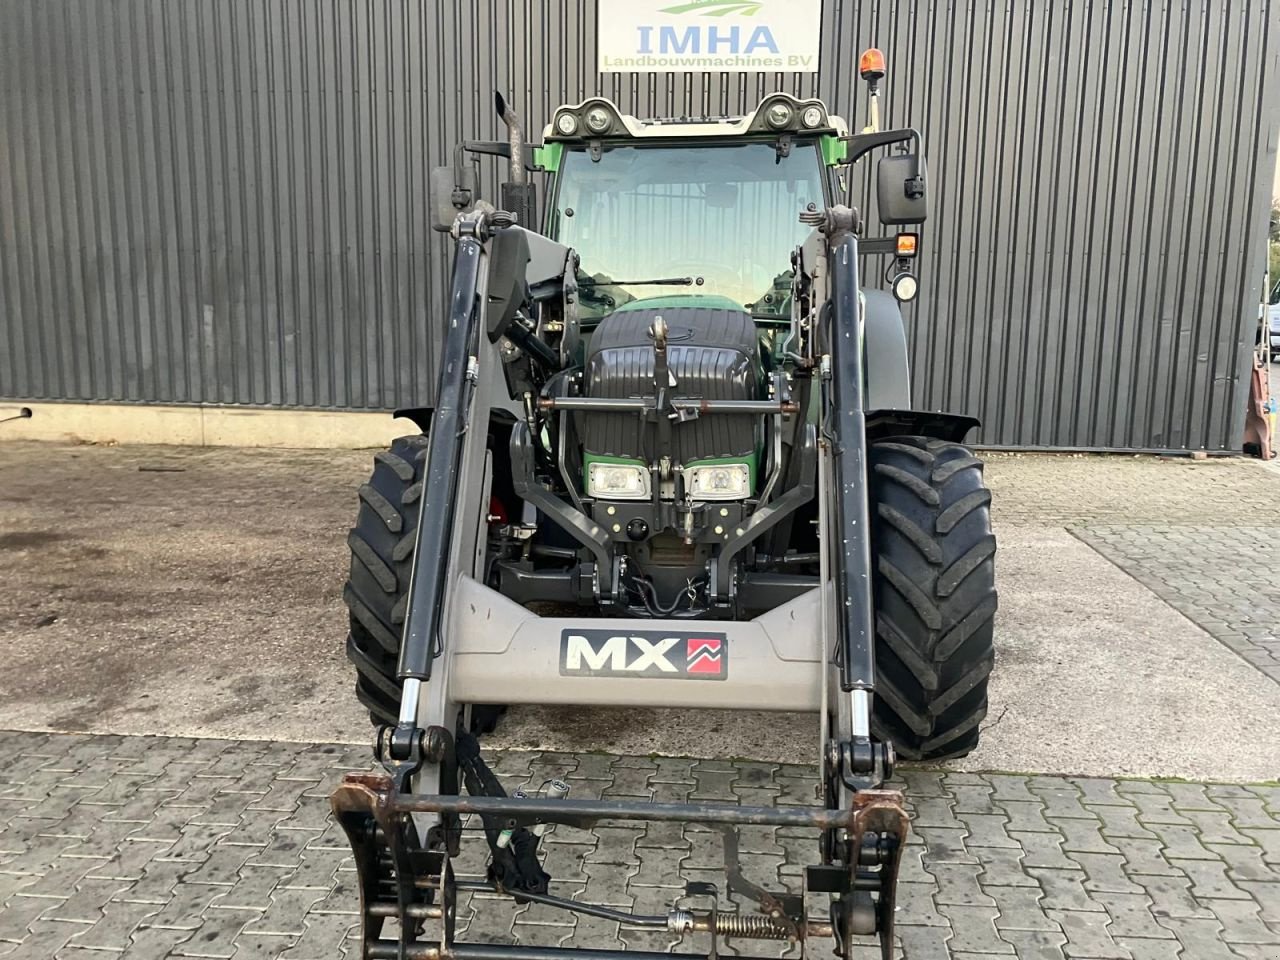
(515, 137)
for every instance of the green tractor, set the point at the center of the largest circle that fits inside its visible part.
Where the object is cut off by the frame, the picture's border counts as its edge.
(672, 462)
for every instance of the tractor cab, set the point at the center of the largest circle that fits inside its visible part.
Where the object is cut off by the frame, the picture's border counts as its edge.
(687, 212)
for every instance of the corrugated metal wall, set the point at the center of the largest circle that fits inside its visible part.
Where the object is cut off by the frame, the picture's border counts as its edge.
(223, 200)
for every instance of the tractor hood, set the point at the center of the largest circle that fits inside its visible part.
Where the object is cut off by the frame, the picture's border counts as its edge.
(714, 355)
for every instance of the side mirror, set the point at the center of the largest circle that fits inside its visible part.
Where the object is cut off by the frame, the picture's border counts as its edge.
(900, 189)
(453, 190)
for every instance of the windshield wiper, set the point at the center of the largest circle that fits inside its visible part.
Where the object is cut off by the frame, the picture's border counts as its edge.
(664, 281)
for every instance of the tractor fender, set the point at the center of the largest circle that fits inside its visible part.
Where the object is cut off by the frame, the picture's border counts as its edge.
(885, 346)
(953, 427)
(888, 379)
(421, 416)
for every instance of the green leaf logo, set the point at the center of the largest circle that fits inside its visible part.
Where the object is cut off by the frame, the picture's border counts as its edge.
(718, 8)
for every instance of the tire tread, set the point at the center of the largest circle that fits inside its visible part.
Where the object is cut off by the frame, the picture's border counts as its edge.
(935, 596)
(376, 593)
(382, 543)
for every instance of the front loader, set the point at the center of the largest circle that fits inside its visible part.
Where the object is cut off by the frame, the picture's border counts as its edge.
(672, 462)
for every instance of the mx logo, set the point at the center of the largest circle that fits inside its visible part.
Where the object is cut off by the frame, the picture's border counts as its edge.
(643, 653)
(705, 656)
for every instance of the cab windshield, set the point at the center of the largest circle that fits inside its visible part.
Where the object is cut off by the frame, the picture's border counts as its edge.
(725, 216)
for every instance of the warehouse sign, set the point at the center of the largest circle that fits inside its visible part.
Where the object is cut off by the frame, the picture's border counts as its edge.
(734, 36)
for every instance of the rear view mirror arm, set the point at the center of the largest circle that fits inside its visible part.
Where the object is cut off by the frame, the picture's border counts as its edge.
(496, 148)
(860, 144)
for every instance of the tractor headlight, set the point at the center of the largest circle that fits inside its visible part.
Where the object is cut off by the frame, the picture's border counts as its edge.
(598, 120)
(617, 481)
(722, 481)
(779, 115)
(567, 124)
(812, 117)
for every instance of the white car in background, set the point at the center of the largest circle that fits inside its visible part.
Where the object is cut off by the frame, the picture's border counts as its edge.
(1273, 322)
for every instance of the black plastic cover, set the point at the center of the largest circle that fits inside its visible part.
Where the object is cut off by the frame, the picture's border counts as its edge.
(713, 353)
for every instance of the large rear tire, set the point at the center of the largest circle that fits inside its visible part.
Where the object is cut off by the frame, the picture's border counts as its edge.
(935, 595)
(382, 544)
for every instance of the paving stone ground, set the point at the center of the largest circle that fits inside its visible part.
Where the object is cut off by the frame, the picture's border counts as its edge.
(1226, 580)
(143, 848)
(154, 847)
(1202, 536)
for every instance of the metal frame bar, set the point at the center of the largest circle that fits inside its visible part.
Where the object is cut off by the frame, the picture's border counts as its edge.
(846, 422)
(373, 811)
(390, 950)
(638, 920)
(571, 812)
(860, 144)
(641, 405)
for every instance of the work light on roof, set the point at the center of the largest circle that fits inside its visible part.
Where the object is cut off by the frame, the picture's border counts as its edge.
(567, 124)
(598, 120)
(779, 115)
(812, 117)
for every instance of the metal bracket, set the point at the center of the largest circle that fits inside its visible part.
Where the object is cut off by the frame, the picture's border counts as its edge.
(783, 911)
(514, 867)
(398, 878)
(833, 222)
(400, 750)
(861, 763)
(764, 518)
(880, 812)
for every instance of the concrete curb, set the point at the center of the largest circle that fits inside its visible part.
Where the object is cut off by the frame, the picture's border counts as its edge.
(198, 425)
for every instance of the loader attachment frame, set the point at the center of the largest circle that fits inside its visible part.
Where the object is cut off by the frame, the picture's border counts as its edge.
(414, 885)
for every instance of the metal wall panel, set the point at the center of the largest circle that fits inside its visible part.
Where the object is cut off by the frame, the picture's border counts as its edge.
(223, 200)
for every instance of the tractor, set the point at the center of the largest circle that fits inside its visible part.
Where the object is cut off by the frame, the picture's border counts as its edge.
(672, 461)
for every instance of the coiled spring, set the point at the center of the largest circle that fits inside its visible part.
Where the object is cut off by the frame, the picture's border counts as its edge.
(751, 926)
(746, 926)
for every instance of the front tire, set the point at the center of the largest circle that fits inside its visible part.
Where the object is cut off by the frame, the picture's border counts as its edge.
(376, 594)
(935, 595)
